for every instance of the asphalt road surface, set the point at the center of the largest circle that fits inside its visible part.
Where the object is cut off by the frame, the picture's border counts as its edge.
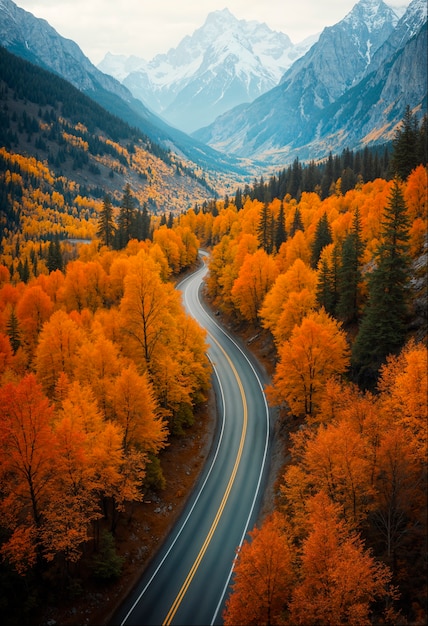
(188, 581)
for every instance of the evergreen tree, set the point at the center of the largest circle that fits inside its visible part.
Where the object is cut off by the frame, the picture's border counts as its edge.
(334, 278)
(310, 177)
(106, 226)
(107, 564)
(238, 199)
(406, 146)
(127, 218)
(325, 296)
(322, 238)
(23, 270)
(264, 229)
(297, 223)
(54, 261)
(368, 170)
(383, 328)
(145, 223)
(12, 330)
(295, 184)
(280, 230)
(348, 180)
(327, 284)
(350, 272)
(328, 177)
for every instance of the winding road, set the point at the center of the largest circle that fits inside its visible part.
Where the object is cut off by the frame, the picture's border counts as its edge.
(188, 581)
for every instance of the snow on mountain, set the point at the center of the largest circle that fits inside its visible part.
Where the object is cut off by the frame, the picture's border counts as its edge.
(285, 117)
(36, 41)
(408, 26)
(224, 63)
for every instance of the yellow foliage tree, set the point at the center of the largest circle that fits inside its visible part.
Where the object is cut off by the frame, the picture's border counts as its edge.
(316, 350)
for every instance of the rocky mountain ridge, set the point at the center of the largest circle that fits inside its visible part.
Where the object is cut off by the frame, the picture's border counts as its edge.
(222, 64)
(34, 40)
(322, 103)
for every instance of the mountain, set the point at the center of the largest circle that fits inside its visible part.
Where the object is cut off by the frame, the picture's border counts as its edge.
(370, 112)
(283, 122)
(224, 63)
(409, 24)
(36, 41)
(49, 123)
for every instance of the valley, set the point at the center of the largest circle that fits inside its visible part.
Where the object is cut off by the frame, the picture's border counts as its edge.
(301, 172)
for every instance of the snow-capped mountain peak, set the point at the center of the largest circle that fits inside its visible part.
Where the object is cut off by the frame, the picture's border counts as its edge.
(372, 13)
(339, 79)
(223, 63)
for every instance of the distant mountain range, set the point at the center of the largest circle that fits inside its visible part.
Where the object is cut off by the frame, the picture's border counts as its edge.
(347, 88)
(222, 64)
(35, 40)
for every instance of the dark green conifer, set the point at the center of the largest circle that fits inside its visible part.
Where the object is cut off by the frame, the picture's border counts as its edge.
(405, 155)
(383, 327)
(350, 272)
(264, 229)
(106, 226)
(127, 219)
(13, 332)
(327, 285)
(54, 260)
(280, 230)
(145, 223)
(322, 238)
(328, 177)
(297, 223)
(324, 287)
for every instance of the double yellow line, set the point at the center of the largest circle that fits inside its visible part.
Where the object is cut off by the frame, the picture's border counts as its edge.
(174, 608)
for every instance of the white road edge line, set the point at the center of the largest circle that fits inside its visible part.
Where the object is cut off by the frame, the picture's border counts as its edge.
(192, 508)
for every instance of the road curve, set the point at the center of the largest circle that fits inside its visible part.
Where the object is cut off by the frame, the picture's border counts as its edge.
(188, 581)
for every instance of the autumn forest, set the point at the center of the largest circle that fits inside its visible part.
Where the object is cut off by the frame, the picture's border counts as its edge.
(101, 368)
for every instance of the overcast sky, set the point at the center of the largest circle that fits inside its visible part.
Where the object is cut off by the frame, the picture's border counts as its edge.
(148, 27)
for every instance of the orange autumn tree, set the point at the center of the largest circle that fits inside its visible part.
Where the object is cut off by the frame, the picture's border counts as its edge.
(332, 459)
(57, 350)
(339, 579)
(263, 577)
(6, 355)
(116, 477)
(33, 310)
(134, 408)
(298, 283)
(180, 372)
(74, 502)
(28, 463)
(85, 286)
(148, 308)
(399, 507)
(316, 350)
(299, 304)
(98, 363)
(404, 390)
(256, 276)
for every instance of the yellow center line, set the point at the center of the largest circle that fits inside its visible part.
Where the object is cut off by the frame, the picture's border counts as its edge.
(171, 613)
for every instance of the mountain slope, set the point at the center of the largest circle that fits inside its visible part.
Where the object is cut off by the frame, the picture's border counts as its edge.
(369, 112)
(281, 122)
(35, 40)
(45, 117)
(224, 63)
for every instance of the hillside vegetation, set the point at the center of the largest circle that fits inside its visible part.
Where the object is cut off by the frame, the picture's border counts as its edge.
(100, 367)
(44, 117)
(335, 291)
